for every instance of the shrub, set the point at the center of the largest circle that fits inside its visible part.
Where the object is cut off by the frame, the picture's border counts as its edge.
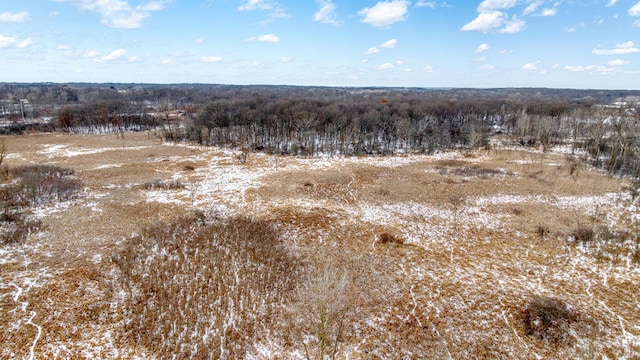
(35, 185)
(583, 234)
(14, 229)
(548, 319)
(41, 184)
(542, 230)
(386, 238)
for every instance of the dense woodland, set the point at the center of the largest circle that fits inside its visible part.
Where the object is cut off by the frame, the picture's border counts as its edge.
(601, 126)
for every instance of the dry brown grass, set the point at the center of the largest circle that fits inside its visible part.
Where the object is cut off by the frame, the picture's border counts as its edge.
(201, 291)
(474, 256)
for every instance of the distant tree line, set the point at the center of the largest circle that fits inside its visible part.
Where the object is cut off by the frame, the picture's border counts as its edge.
(373, 125)
(415, 123)
(348, 121)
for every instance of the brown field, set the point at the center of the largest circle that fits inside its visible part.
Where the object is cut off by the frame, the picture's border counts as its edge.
(470, 241)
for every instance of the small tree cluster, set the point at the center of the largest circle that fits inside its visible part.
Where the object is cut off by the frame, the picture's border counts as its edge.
(324, 303)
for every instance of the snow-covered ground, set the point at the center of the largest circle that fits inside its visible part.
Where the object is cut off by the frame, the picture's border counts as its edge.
(463, 274)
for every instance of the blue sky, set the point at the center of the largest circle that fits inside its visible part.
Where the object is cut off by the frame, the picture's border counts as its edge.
(490, 43)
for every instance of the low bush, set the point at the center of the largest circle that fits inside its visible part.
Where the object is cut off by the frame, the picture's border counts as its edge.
(39, 185)
(542, 230)
(583, 234)
(32, 186)
(163, 185)
(548, 319)
(386, 238)
(14, 229)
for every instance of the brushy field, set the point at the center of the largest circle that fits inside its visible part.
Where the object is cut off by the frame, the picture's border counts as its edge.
(136, 248)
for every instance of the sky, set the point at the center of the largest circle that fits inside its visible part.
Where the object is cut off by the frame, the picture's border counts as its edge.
(592, 44)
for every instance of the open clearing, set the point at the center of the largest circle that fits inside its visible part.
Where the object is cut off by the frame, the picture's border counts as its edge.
(482, 233)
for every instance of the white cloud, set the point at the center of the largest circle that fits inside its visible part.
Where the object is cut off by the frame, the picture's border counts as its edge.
(119, 13)
(513, 26)
(579, 68)
(428, 68)
(264, 38)
(490, 17)
(491, 5)
(482, 48)
(617, 62)
(423, 3)
(13, 42)
(115, 55)
(530, 66)
(399, 62)
(7, 17)
(602, 70)
(168, 62)
(485, 22)
(635, 10)
(200, 40)
(255, 5)
(23, 44)
(487, 67)
(276, 10)
(327, 12)
(251, 64)
(63, 47)
(285, 59)
(389, 44)
(269, 38)
(211, 59)
(506, 52)
(385, 13)
(532, 7)
(90, 54)
(623, 48)
(611, 3)
(385, 66)
(134, 59)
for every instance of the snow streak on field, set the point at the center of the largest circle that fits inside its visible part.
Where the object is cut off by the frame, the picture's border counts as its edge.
(481, 235)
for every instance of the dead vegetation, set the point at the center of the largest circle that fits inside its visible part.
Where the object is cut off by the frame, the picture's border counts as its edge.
(29, 187)
(386, 238)
(163, 185)
(549, 319)
(200, 291)
(301, 258)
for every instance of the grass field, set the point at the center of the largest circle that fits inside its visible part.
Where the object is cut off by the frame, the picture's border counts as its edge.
(178, 250)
